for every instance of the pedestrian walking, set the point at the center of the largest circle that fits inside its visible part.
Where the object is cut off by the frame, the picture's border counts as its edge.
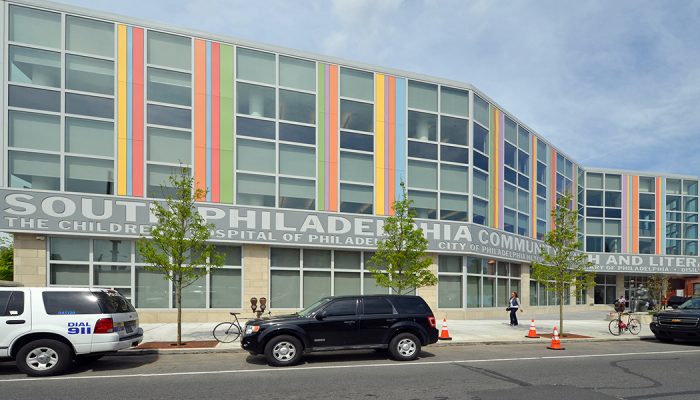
(513, 307)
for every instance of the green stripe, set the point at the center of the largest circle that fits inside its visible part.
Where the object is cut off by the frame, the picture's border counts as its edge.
(320, 132)
(492, 165)
(226, 124)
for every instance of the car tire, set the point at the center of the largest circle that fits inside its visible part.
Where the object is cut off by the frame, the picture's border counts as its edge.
(283, 351)
(44, 357)
(404, 347)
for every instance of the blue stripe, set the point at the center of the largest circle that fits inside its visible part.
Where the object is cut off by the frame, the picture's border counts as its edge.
(208, 111)
(129, 94)
(400, 135)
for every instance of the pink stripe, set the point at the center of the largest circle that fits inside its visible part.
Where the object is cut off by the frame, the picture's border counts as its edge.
(327, 133)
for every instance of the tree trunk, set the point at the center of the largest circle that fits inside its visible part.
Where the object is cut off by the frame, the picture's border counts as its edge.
(561, 312)
(178, 299)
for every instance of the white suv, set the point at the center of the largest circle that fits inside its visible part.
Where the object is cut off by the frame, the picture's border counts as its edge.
(45, 329)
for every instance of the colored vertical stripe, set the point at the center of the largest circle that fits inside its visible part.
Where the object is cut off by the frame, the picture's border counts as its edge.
(552, 185)
(662, 236)
(333, 138)
(326, 138)
(208, 129)
(137, 111)
(379, 145)
(321, 137)
(215, 124)
(496, 167)
(121, 110)
(658, 214)
(226, 161)
(200, 115)
(533, 187)
(635, 214)
(401, 141)
(391, 163)
(129, 94)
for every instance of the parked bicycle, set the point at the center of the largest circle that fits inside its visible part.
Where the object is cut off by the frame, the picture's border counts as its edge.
(227, 332)
(618, 325)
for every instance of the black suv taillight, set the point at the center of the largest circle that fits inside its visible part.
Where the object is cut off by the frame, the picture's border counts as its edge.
(432, 322)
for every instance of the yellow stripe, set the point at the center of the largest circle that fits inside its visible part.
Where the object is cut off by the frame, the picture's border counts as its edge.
(121, 110)
(379, 151)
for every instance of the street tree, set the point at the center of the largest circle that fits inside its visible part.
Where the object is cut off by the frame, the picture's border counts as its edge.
(564, 265)
(6, 260)
(657, 285)
(177, 247)
(400, 262)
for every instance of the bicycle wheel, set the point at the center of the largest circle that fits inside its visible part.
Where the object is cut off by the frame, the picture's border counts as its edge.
(634, 326)
(226, 332)
(614, 327)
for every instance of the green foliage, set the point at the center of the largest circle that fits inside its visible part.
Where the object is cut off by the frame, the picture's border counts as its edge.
(563, 264)
(400, 262)
(6, 261)
(178, 248)
(657, 285)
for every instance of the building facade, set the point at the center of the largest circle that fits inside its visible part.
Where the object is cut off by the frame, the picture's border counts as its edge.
(301, 156)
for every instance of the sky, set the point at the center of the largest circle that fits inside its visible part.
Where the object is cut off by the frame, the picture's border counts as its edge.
(613, 84)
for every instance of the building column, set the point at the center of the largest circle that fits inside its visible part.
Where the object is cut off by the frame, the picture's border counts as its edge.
(524, 285)
(430, 293)
(30, 259)
(256, 273)
(619, 285)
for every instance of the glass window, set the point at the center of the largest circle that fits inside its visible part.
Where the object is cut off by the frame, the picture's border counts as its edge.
(510, 196)
(26, 97)
(454, 101)
(151, 289)
(594, 181)
(613, 228)
(523, 201)
(690, 188)
(293, 133)
(297, 73)
(166, 145)
(449, 263)
(90, 75)
(37, 27)
(169, 50)
(481, 184)
(258, 101)
(454, 154)
(594, 244)
(523, 163)
(34, 131)
(68, 249)
(377, 305)
(424, 204)
(523, 139)
(509, 221)
(481, 214)
(422, 126)
(297, 193)
(480, 161)
(297, 160)
(256, 66)
(422, 175)
(89, 175)
(252, 155)
(169, 116)
(449, 291)
(594, 226)
(85, 136)
(225, 288)
(356, 116)
(356, 167)
(317, 285)
(646, 246)
(37, 67)
(346, 283)
(34, 171)
(613, 182)
(112, 275)
(346, 259)
(481, 111)
(673, 186)
(453, 207)
(341, 307)
(691, 204)
(284, 289)
(473, 291)
(232, 254)
(285, 257)
(317, 258)
(422, 96)
(613, 199)
(356, 199)
(257, 128)
(157, 178)
(481, 138)
(89, 36)
(594, 198)
(371, 287)
(114, 250)
(169, 87)
(356, 84)
(356, 141)
(255, 190)
(453, 178)
(422, 150)
(454, 130)
(89, 105)
(510, 129)
(646, 201)
(509, 155)
(297, 106)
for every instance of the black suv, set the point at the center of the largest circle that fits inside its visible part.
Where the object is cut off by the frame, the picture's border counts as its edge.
(401, 324)
(681, 323)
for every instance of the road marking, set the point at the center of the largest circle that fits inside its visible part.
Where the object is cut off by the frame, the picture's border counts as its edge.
(295, 369)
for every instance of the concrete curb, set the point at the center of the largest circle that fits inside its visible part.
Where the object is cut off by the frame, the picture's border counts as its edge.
(140, 352)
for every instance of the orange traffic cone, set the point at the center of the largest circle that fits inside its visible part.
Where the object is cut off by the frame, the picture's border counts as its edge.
(532, 334)
(556, 344)
(444, 333)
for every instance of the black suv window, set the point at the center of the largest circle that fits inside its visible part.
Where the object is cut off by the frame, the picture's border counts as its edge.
(69, 303)
(11, 303)
(410, 305)
(342, 307)
(377, 305)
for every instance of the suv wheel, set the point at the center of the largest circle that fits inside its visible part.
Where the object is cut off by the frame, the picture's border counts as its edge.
(43, 357)
(404, 347)
(282, 351)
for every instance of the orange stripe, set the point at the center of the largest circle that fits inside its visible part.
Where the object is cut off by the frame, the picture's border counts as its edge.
(333, 129)
(392, 145)
(200, 128)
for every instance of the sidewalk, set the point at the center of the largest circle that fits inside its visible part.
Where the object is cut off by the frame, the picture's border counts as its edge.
(461, 331)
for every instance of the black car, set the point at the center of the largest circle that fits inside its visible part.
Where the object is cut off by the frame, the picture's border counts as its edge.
(401, 324)
(675, 301)
(681, 323)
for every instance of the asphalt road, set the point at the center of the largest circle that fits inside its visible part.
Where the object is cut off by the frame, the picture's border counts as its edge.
(632, 370)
